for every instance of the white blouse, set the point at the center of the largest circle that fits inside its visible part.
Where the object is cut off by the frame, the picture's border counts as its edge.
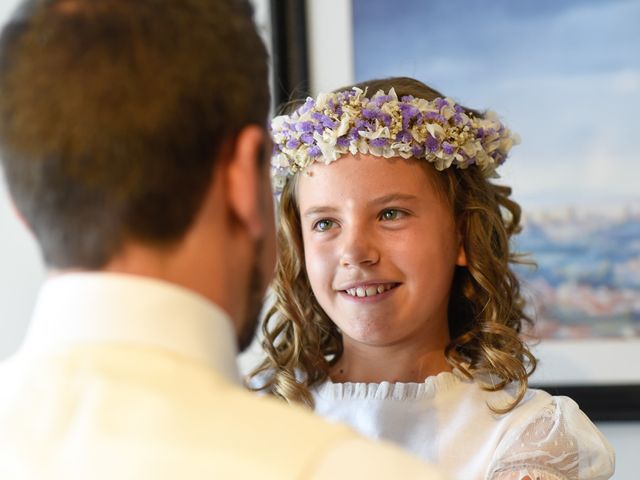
(447, 421)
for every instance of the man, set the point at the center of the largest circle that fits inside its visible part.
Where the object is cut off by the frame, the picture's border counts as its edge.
(133, 142)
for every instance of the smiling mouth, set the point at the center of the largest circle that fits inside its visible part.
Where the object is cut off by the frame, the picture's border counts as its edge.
(370, 290)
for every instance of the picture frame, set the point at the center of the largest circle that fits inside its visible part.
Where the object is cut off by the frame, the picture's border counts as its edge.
(600, 374)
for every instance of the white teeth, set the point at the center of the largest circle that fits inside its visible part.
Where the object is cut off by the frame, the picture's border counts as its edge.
(369, 291)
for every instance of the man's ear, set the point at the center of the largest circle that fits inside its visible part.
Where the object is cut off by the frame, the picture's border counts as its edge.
(244, 179)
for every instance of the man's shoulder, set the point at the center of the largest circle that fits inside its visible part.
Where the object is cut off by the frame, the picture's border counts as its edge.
(155, 395)
(139, 403)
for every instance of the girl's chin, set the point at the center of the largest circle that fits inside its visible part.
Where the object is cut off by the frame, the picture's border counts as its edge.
(370, 339)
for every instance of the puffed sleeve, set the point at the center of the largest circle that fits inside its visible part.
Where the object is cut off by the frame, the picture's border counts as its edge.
(559, 443)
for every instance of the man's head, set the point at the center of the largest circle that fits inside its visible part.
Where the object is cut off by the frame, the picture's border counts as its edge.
(113, 113)
(128, 126)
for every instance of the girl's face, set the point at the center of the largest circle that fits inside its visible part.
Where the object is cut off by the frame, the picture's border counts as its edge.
(381, 246)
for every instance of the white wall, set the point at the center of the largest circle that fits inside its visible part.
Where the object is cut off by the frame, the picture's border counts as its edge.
(21, 270)
(21, 273)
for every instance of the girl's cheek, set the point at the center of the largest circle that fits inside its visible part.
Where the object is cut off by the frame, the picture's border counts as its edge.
(319, 262)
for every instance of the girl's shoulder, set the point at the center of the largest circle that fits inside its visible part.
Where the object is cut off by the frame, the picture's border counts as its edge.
(543, 436)
(549, 436)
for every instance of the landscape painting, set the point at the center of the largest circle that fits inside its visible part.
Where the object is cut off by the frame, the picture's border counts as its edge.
(566, 77)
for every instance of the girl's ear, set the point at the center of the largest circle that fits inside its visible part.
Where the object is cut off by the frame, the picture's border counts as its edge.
(461, 259)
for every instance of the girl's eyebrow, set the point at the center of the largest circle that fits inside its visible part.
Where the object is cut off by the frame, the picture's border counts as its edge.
(392, 197)
(319, 210)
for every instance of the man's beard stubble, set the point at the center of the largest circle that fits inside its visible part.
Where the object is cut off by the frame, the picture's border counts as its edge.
(255, 295)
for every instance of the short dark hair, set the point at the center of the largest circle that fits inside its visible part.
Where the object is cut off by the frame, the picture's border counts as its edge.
(113, 113)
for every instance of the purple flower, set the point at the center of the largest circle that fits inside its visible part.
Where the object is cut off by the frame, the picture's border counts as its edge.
(435, 116)
(353, 134)
(458, 108)
(293, 143)
(447, 148)
(404, 136)
(305, 127)
(370, 113)
(380, 100)
(480, 132)
(308, 105)
(379, 142)
(407, 98)
(286, 134)
(324, 120)
(348, 94)
(432, 144)
(386, 119)
(318, 117)
(342, 142)
(417, 150)
(408, 112)
(363, 125)
(307, 138)
(441, 103)
(498, 156)
(457, 119)
(315, 151)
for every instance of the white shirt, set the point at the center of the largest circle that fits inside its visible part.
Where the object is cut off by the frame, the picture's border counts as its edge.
(124, 377)
(446, 420)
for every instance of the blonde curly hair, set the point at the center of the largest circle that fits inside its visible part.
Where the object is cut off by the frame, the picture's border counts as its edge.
(486, 310)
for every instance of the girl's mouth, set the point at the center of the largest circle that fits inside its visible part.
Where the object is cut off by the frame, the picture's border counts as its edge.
(370, 290)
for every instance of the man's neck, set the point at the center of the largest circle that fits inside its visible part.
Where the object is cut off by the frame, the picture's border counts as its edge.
(191, 265)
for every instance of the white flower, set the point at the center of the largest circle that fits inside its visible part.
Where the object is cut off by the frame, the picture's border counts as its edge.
(343, 128)
(381, 132)
(280, 160)
(435, 130)
(321, 102)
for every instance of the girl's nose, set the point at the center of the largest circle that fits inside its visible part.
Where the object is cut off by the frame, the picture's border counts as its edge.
(358, 248)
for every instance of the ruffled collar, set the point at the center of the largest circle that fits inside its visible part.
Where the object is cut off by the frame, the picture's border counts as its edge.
(388, 390)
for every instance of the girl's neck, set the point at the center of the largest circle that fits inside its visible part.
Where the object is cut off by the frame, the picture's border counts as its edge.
(374, 364)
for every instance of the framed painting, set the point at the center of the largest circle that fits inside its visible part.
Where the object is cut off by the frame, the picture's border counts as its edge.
(566, 77)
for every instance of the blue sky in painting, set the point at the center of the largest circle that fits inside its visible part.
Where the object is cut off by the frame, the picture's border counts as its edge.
(564, 74)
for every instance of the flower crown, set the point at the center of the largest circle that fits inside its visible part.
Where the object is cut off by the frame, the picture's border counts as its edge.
(335, 124)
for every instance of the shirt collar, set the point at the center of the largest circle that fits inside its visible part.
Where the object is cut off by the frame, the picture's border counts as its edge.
(115, 308)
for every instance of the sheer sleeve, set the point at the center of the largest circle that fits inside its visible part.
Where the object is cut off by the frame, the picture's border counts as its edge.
(560, 443)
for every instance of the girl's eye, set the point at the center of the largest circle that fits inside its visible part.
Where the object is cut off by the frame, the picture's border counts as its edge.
(322, 225)
(391, 214)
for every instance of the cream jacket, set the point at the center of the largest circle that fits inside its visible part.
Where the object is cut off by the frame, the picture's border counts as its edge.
(122, 377)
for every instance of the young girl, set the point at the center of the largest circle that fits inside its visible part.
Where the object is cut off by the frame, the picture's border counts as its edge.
(396, 310)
